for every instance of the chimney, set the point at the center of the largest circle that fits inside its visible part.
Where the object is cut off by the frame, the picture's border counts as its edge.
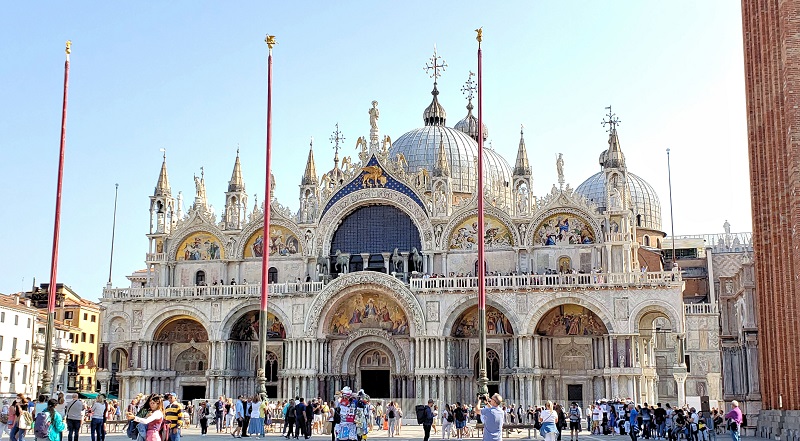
(16, 299)
(28, 302)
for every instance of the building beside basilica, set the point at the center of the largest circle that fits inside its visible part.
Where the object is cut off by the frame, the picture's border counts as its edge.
(371, 283)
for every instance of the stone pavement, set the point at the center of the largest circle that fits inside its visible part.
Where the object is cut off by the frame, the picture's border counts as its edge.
(409, 432)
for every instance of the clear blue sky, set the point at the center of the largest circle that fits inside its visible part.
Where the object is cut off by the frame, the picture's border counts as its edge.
(190, 77)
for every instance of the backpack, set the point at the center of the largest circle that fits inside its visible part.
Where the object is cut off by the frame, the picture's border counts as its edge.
(450, 417)
(132, 430)
(391, 414)
(573, 415)
(459, 413)
(420, 410)
(41, 427)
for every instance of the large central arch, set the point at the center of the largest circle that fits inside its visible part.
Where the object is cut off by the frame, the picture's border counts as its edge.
(362, 282)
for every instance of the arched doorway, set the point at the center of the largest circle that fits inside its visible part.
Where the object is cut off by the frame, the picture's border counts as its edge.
(182, 347)
(655, 347)
(374, 368)
(242, 354)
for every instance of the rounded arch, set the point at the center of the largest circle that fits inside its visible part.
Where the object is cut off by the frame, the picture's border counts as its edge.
(468, 301)
(173, 312)
(118, 327)
(366, 281)
(570, 320)
(181, 329)
(583, 215)
(234, 315)
(254, 227)
(365, 197)
(199, 242)
(468, 212)
(587, 302)
(364, 340)
(656, 306)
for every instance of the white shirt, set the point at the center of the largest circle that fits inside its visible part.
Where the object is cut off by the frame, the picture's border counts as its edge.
(98, 410)
(548, 416)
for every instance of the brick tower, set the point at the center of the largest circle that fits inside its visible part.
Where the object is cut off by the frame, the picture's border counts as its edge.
(771, 30)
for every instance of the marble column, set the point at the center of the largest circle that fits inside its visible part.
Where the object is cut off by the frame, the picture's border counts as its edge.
(680, 380)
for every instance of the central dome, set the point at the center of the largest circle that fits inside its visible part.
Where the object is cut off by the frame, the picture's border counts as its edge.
(420, 147)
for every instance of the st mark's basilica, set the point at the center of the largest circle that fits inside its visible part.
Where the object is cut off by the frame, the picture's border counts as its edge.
(372, 282)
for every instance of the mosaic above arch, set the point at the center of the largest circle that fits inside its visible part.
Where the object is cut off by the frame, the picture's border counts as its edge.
(564, 229)
(246, 328)
(468, 323)
(465, 234)
(200, 245)
(282, 242)
(182, 330)
(368, 310)
(571, 319)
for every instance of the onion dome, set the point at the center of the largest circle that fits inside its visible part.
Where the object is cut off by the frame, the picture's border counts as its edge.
(469, 124)
(434, 114)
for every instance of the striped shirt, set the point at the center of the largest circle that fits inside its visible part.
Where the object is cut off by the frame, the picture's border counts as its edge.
(172, 413)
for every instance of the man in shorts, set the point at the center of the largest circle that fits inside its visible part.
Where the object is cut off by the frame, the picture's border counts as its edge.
(574, 420)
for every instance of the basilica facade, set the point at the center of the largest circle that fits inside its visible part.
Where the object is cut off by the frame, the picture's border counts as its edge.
(372, 283)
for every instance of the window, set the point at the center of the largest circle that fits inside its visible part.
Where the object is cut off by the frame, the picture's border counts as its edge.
(16, 319)
(646, 240)
(94, 318)
(83, 337)
(29, 323)
(2, 317)
(1, 342)
(24, 374)
(85, 316)
(27, 347)
(200, 278)
(68, 315)
(13, 346)
(272, 275)
(91, 338)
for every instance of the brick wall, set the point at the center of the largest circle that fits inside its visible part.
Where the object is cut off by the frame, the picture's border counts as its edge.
(771, 31)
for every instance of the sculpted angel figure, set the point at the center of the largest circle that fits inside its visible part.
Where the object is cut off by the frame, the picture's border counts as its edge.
(374, 114)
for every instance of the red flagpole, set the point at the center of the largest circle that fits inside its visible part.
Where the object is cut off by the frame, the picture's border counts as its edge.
(481, 273)
(48, 375)
(262, 326)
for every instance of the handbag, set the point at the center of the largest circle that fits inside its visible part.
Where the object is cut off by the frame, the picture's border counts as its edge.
(25, 420)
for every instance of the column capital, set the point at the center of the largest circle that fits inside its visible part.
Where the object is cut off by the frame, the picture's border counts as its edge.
(680, 377)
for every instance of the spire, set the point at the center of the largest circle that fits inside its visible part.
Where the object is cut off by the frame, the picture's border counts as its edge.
(522, 167)
(310, 176)
(236, 183)
(434, 114)
(162, 187)
(469, 124)
(442, 168)
(613, 157)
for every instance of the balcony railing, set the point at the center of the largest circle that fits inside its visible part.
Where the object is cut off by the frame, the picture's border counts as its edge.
(172, 292)
(156, 257)
(700, 308)
(548, 280)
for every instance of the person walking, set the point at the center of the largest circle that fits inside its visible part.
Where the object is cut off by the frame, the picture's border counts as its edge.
(548, 418)
(56, 423)
(219, 414)
(391, 415)
(202, 415)
(74, 417)
(491, 416)
(427, 420)
(461, 420)
(238, 409)
(447, 421)
(289, 418)
(300, 418)
(634, 421)
(734, 417)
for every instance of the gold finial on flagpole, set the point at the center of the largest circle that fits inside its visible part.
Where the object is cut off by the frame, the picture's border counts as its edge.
(68, 49)
(479, 37)
(270, 40)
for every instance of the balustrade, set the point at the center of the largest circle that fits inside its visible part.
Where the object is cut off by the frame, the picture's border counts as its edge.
(171, 292)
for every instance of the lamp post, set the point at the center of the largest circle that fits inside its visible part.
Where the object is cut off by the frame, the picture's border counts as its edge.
(483, 380)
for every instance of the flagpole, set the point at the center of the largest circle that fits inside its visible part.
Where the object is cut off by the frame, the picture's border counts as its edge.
(48, 373)
(262, 316)
(481, 273)
(113, 233)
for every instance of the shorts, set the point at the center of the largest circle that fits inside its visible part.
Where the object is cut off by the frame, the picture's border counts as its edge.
(575, 425)
(239, 422)
(317, 417)
(460, 424)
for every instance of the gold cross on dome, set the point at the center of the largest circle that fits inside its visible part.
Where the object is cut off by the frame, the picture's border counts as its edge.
(435, 64)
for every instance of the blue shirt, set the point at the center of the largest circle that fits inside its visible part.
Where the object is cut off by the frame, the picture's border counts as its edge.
(634, 416)
(239, 409)
(492, 419)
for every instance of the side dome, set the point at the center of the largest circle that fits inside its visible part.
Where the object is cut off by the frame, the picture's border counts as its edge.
(469, 125)
(420, 147)
(647, 206)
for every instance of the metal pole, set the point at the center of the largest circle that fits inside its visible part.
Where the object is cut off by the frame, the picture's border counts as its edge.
(48, 373)
(671, 218)
(262, 315)
(113, 232)
(483, 381)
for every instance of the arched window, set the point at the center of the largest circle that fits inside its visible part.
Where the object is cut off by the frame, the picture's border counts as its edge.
(638, 220)
(272, 275)
(271, 367)
(646, 240)
(200, 278)
(492, 366)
